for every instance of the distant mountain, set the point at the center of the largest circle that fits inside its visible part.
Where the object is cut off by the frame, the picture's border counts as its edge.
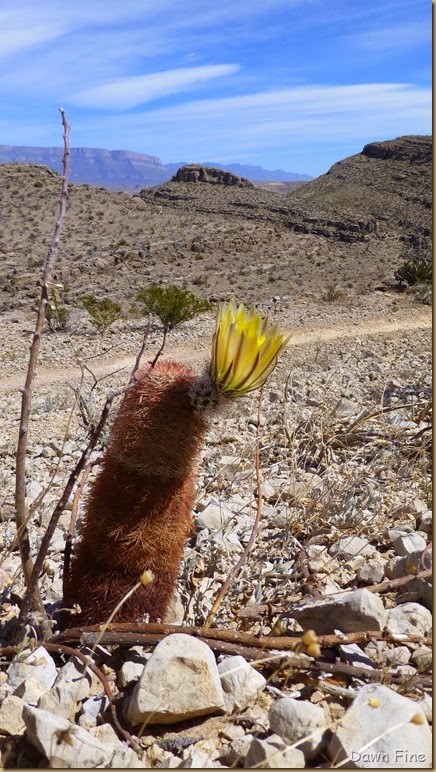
(117, 169)
(123, 169)
(252, 173)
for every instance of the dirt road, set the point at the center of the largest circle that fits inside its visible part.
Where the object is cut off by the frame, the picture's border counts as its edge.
(196, 352)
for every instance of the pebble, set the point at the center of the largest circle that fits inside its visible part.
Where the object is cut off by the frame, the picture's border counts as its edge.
(273, 753)
(241, 683)
(294, 720)
(350, 546)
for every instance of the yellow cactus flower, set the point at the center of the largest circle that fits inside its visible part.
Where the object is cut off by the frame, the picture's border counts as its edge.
(245, 348)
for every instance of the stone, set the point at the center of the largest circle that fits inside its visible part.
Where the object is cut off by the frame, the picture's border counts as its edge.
(197, 759)
(214, 517)
(175, 613)
(423, 658)
(11, 715)
(372, 571)
(67, 745)
(237, 750)
(31, 674)
(377, 731)
(353, 611)
(408, 543)
(350, 546)
(425, 521)
(133, 666)
(409, 618)
(295, 719)
(352, 654)
(180, 681)
(241, 683)
(273, 753)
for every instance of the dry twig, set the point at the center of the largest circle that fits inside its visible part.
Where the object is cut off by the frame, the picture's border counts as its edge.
(26, 401)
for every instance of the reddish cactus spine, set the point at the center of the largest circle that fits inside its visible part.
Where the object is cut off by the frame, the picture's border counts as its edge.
(138, 512)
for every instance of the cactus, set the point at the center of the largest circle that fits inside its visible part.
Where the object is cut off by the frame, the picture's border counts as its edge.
(138, 513)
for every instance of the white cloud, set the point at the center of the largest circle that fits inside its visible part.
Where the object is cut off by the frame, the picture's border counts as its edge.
(398, 36)
(276, 121)
(130, 92)
(15, 39)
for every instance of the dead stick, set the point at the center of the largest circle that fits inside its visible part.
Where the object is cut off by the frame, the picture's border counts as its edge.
(120, 633)
(26, 399)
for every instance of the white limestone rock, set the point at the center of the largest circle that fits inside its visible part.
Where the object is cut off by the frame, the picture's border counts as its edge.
(296, 719)
(273, 753)
(180, 681)
(351, 612)
(377, 731)
(241, 683)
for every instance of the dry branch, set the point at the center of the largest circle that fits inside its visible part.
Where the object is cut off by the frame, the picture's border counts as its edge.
(26, 400)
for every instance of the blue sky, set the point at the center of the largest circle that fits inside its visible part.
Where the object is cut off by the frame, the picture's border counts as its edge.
(289, 84)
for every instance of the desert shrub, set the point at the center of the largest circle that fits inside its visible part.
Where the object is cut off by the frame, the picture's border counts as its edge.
(417, 263)
(56, 313)
(417, 268)
(102, 312)
(332, 293)
(172, 305)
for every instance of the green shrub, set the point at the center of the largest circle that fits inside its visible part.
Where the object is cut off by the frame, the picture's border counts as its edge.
(56, 312)
(172, 305)
(333, 293)
(103, 312)
(417, 268)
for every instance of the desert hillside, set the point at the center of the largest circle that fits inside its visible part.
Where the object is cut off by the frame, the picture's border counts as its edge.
(345, 230)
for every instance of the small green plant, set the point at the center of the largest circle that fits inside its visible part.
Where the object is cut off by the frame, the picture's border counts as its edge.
(333, 293)
(417, 268)
(172, 305)
(56, 313)
(103, 312)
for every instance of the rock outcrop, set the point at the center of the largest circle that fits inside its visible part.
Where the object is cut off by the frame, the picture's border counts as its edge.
(197, 173)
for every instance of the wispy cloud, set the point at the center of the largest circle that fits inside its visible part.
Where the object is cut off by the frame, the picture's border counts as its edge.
(397, 36)
(130, 92)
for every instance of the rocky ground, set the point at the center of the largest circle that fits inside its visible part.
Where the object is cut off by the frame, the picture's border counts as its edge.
(345, 516)
(344, 492)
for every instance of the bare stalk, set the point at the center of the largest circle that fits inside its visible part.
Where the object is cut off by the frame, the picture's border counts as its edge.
(20, 467)
(236, 569)
(60, 506)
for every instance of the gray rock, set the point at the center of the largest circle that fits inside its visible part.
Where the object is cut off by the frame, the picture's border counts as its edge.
(350, 546)
(133, 667)
(241, 683)
(214, 517)
(409, 618)
(273, 753)
(352, 654)
(351, 612)
(372, 571)
(422, 657)
(425, 521)
(377, 731)
(295, 719)
(11, 715)
(237, 750)
(65, 744)
(31, 674)
(408, 543)
(197, 759)
(180, 681)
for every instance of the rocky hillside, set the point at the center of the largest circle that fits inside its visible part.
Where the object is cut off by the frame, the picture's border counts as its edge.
(334, 235)
(388, 182)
